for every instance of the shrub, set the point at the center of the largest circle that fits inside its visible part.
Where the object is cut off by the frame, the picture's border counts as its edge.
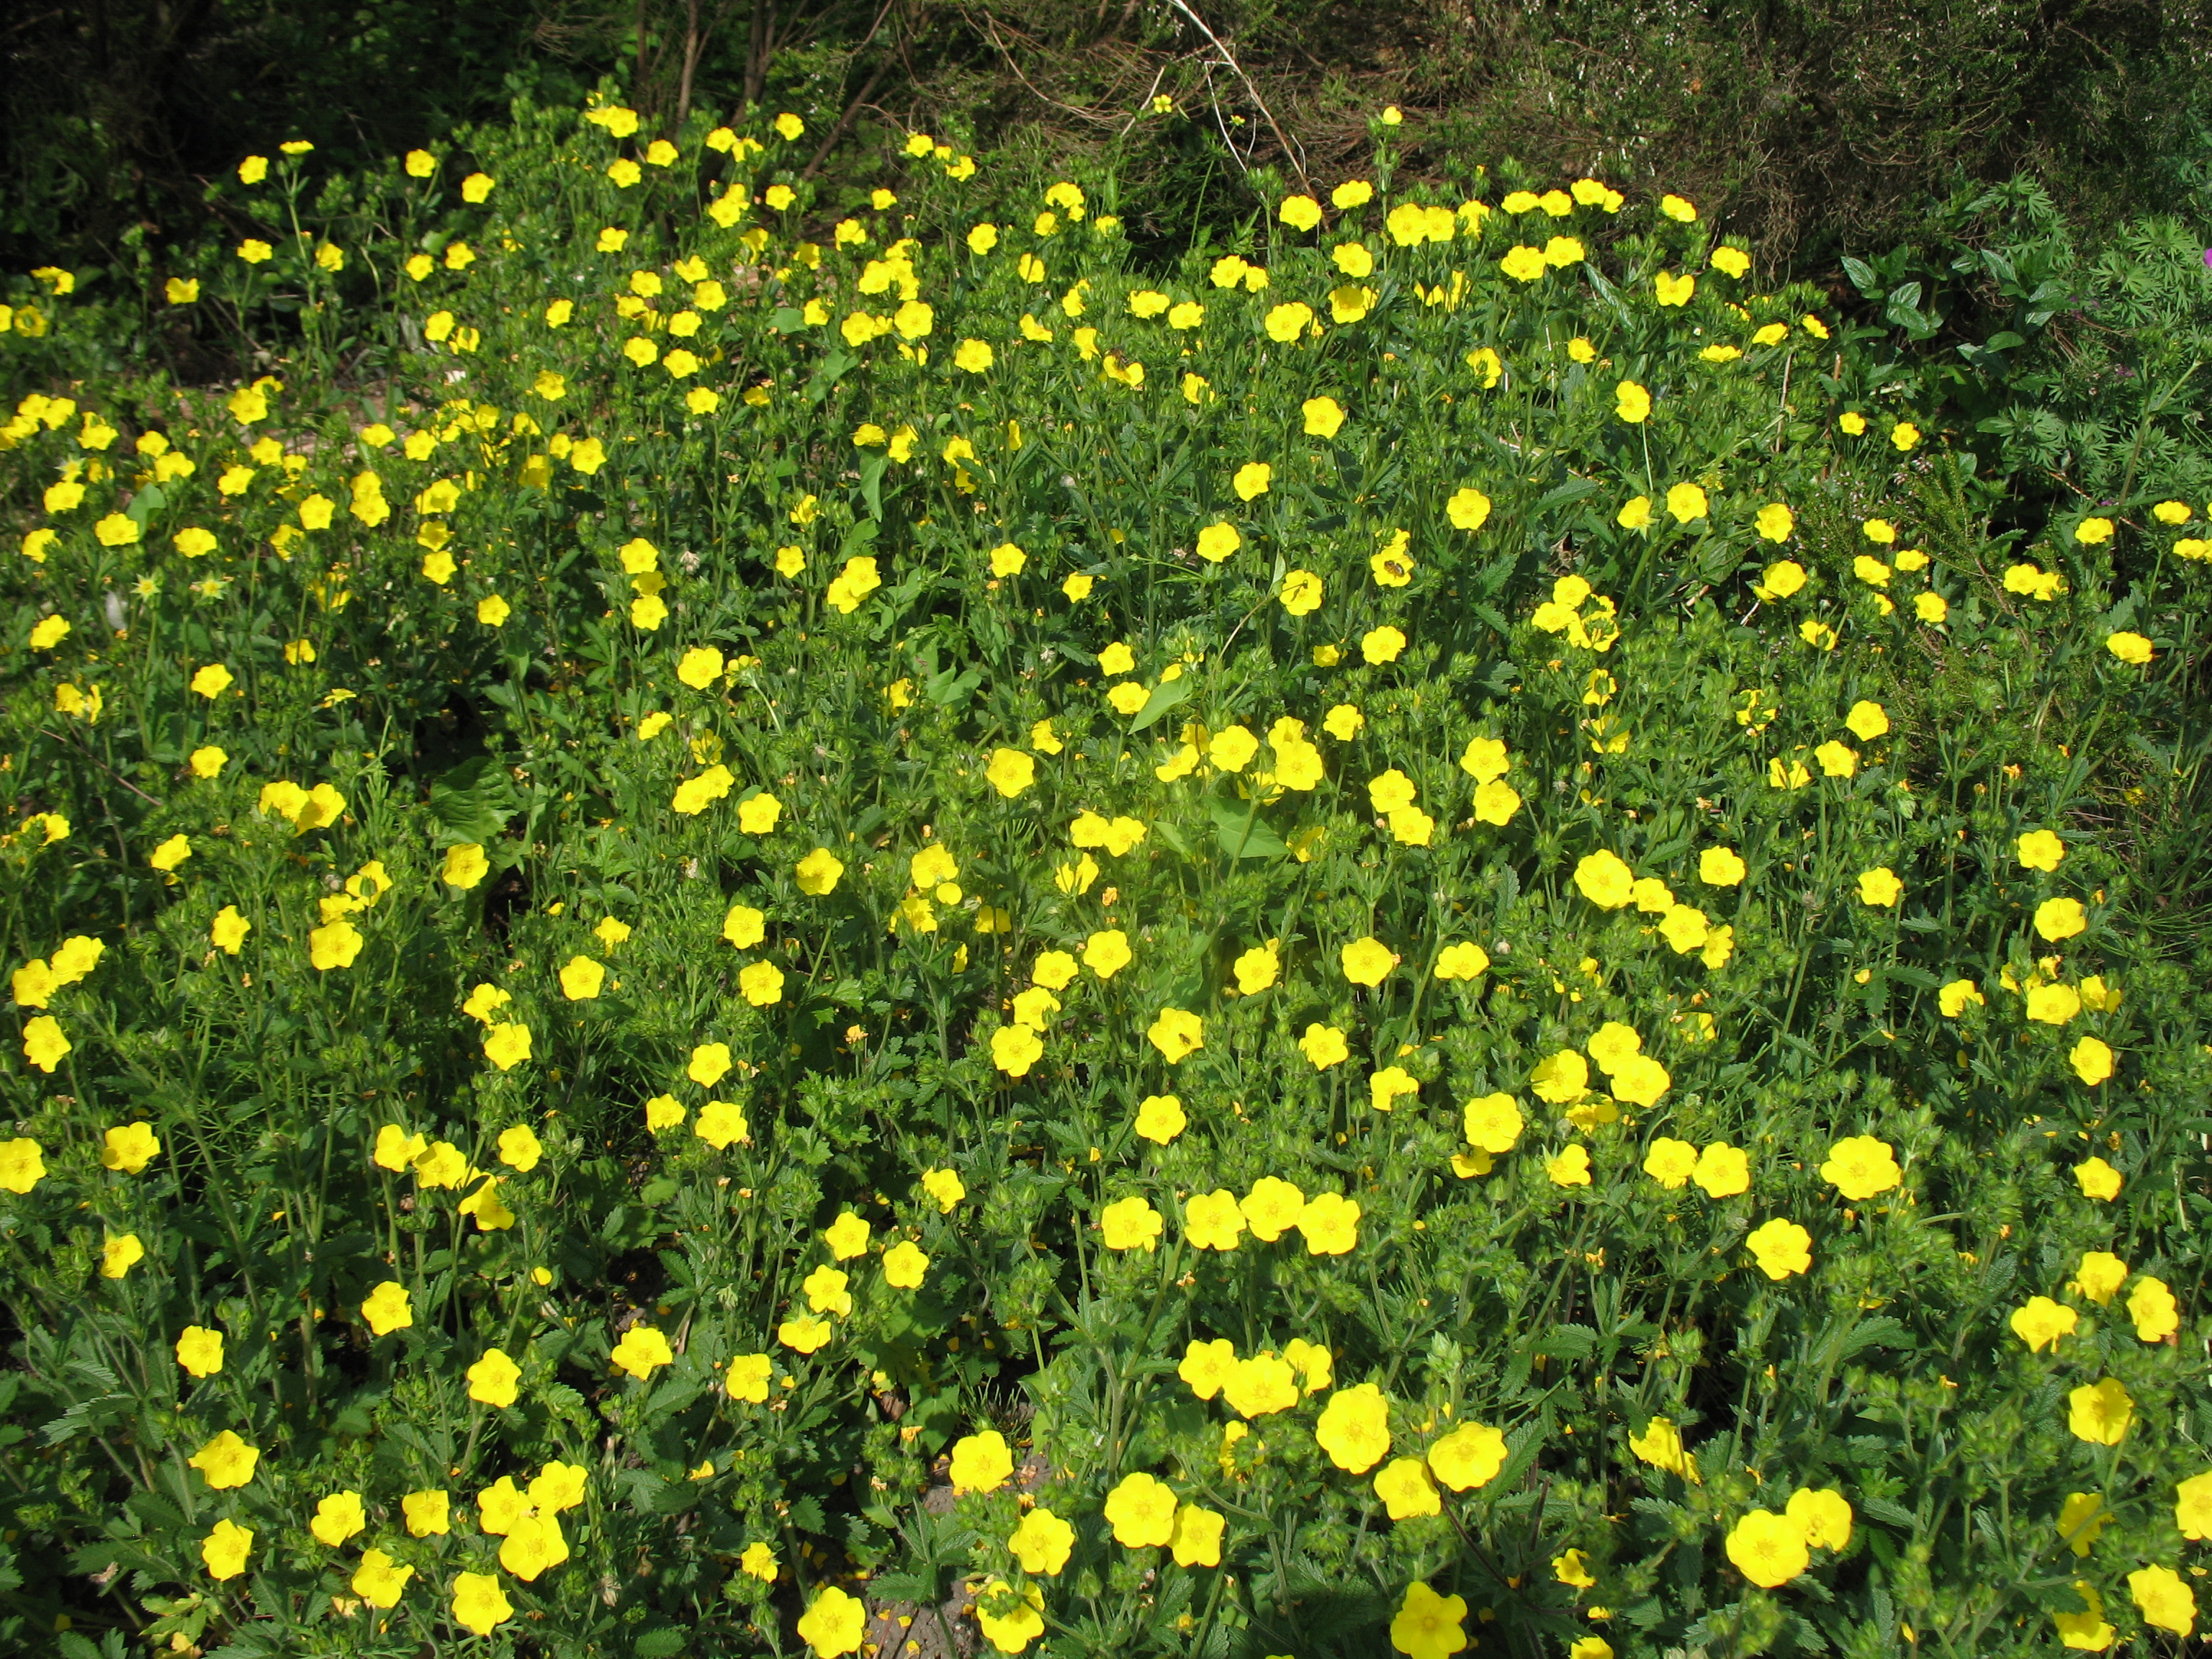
(734, 923)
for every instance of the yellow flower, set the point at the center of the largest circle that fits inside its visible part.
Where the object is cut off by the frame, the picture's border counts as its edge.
(119, 1254)
(1015, 1048)
(199, 1350)
(1301, 593)
(225, 1549)
(581, 979)
(1880, 887)
(1860, 1167)
(1329, 1224)
(1160, 1119)
(818, 873)
(1605, 880)
(946, 1187)
(128, 1147)
(335, 944)
(479, 1604)
(2099, 1276)
(721, 1123)
(2152, 1306)
(1252, 479)
(1212, 1221)
(981, 1462)
(506, 1045)
(2100, 1413)
(1780, 1248)
(387, 1309)
(1661, 1446)
(492, 1379)
(1177, 1034)
(1206, 1367)
(379, 1581)
(1130, 1224)
(1722, 1170)
(1632, 402)
(1428, 1626)
(1042, 1543)
(1670, 1162)
(225, 1461)
(1367, 961)
(2053, 1004)
(748, 1376)
(1768, 1549)
(1010, 1620)
(1468, 508)
(1866, 720)
(1466, 960)
(1406, 1489)
(1323, 417)
(640, 1350)
(1259, 1387)
(1216, 542)
(1381, 645)
(2059, 919)
(1573, 1570)
(1570, 1168)
(1141, 1511)
(2192, 1506)
(1493, 1123)
(1560, 1078)
(2040, 849)
(2165, 1599)
(520, 1149)
(338, 1517)
(1468, 1457)
(1674, 290)
(2040, 1322)
(1324, 1046)
(2093, 1061)
(1010, 772)
(1521, 263)
(1271, 1208)
(905, 1265)
(2081, 1518)
(1354, 1428)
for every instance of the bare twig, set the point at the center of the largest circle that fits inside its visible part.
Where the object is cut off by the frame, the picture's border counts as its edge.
(991, 28)
(1291, 153)
(101, 764)
(844, 125)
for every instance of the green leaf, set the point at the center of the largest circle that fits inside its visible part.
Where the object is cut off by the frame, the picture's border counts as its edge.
(1243, 833)
(474, 800)
(1168, 694)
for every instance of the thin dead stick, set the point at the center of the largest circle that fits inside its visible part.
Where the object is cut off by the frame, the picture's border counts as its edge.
(1144, 103)
(844, 125)
(991, 28)
(1289, 152)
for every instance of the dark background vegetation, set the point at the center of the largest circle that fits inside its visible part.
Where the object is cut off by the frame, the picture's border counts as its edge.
(1812, 125)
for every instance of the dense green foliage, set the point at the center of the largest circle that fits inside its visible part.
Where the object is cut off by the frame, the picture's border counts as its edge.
(1463, 925)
